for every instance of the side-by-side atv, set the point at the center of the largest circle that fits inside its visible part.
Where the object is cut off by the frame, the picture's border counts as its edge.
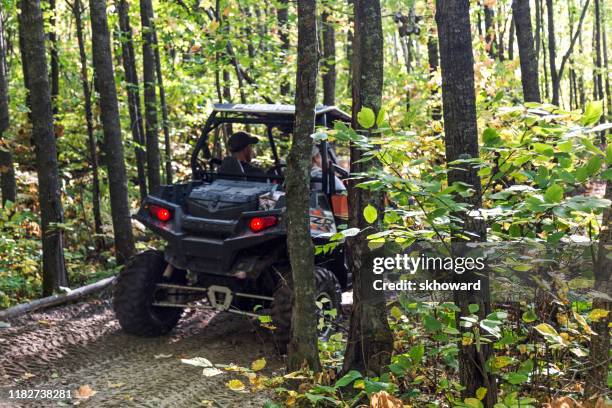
(226, 233)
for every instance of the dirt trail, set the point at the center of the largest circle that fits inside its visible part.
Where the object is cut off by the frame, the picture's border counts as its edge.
(82, 344)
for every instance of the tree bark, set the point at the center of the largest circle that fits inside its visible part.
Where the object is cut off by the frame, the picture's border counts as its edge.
(113, 144)
(133, 92)
(461, 140)
(51, 212)
(8, 185)
(54, 57)
(77, 9)
(370, 341)
(511, 39)
(303, 347)
(597, 72)
(490, 30)
(329, 60)
(528, 59)
(552, 52)
(150, 96)
(282, 15)
(164, 107)
(599, 356)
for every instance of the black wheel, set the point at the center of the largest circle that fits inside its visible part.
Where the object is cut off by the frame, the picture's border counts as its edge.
(135, 292)
(328, 297)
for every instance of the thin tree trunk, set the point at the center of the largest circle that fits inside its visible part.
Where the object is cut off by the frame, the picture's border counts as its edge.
(329, 60)
(8, 185)
(605, 63)
(511, 39)
(282, 15)
(461, 140)
(529, 62)
(51, 212)
(164, 107)
(552, 52)
(77, 9)
(490, 30)
(113, 145)
(598, 59)
(303, 347)
(150, 97)
(54, 56)
(349, 45)
(370, 342)
(133, 93)
(433, 58)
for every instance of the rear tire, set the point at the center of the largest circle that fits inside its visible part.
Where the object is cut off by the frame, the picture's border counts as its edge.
(326, 284)
(134, 294)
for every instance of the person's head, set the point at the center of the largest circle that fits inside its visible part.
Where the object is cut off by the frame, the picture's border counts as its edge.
(317, 161)
(241, 146)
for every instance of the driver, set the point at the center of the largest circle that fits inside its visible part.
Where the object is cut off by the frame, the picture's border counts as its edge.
(241, 146)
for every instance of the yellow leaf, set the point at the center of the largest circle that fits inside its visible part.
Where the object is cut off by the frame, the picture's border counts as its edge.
(235, 385)
(481, 392)
(466, 341)
(258, 365)
(597, 314)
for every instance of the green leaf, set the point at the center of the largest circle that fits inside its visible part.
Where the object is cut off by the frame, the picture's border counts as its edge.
(549, 332)
(517, 378)
(480, 393)
(472, 403)
(490, 137)
(473, 308)
(366, 118)
(609, 155)
(348, 378)
(592, 113)
(370, 214)
(593, 165)
(380, 119)
(529, 316)
(554, 193)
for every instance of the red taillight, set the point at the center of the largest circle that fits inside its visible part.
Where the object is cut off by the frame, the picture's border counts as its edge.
(261, 223)
(161, 213)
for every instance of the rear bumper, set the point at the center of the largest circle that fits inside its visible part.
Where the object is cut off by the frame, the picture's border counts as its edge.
(207, 245)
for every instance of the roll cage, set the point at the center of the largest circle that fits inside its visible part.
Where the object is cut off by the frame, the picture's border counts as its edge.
(271, 115)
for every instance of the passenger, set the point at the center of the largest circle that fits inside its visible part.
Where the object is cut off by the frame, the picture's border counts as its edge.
(317, 171)
(241, 147)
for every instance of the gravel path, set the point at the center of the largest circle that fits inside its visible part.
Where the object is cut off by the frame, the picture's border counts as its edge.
(82, 345)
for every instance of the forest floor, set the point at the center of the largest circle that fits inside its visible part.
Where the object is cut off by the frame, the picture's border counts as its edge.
(81, 345)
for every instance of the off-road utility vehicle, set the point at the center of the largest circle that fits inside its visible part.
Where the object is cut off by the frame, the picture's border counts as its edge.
(226, 235)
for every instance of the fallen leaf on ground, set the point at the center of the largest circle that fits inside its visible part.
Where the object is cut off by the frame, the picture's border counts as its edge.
(28, 375)
(235, 385)
(258, 365)
(115, 385)
(158, 356)
(84, 392)
(383, 399)
(197, 361)
(211, 371)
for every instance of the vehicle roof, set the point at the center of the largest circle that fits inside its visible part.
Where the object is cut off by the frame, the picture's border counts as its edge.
(259, 109)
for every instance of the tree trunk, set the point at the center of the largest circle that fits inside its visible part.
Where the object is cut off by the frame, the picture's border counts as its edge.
(605, 64)
(282, 15)
(51, 212)
(370, 341)
(349, 44)
(597, 374)
(164, 107)
(433, 58)
(77, 9)
(529, 62)
(461, 140)
(304, 346)
(329, 60)
(598, 79)
(511, 39)
(150, 97)
(8, 186)
(113, 145)
(489, 30)
(131, 78)
(54, 56)
(552, 52)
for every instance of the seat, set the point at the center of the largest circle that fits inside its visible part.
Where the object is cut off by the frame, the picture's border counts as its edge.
(231, 168)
